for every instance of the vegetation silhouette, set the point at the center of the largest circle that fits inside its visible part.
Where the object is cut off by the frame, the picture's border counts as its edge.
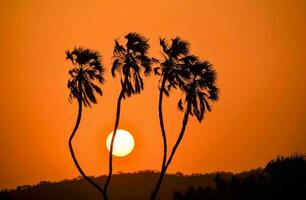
(87, 69)
(128, 62)
(196, 79)
(287, 176)
(283, 178)
(5, 195)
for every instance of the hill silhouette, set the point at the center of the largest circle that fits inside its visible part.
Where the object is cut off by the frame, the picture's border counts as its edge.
(136, 185)
(282, 178)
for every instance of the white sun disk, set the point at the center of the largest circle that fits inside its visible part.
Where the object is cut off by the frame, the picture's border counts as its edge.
(123, 143)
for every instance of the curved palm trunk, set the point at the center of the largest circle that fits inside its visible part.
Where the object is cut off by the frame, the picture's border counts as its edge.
(161, 122)
(178, 141)
(112, 144)
(73, 155)
(161, 119)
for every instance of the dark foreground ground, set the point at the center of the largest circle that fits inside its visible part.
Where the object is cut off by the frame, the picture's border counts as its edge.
(282, 178)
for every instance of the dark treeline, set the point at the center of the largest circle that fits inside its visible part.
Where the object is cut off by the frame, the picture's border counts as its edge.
(281, 178)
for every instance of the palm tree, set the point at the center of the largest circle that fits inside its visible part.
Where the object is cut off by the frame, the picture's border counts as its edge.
(129, 60)
(169, 72)
(87, 69)
(199, 91)
(196, 79)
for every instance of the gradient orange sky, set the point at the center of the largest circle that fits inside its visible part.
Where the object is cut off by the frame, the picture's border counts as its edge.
(257, 47)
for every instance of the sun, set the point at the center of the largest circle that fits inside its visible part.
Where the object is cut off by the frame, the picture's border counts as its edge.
(123, 143)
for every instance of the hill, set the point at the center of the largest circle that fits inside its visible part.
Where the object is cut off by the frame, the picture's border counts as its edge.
(123, 186)
(282, 178)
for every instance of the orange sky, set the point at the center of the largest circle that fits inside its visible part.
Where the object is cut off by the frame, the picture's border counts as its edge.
(257, 47)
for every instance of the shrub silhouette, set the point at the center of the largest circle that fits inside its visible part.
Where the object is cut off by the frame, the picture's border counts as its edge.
(287, 176)
(5, 195)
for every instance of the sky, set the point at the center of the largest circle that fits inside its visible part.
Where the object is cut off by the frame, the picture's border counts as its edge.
(257, 47)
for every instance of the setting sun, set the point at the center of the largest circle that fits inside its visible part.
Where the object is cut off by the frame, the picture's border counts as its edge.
(123, 144)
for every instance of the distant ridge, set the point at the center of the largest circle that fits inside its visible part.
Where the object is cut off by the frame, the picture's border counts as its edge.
(282, 178)
(136, 185)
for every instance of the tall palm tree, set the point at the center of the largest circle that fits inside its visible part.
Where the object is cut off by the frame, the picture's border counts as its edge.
(170, 74)
(129, 60)
(199, 91)
(87, 70)
(196, 79)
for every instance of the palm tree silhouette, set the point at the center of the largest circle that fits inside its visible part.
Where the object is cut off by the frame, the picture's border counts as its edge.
(199, 91)
(169, 72)
(87, 69)
(196, 79)
(128, 62)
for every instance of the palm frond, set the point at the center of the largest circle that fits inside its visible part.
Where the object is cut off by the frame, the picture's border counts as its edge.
(130, 60)
(179, 47)
(180, 105)
(116, 64)
(96, 88)
(198, 82)
(163, 43)
(157, 71)
(119, 50)
(89, 92)
(87, 69)
(69, 56)
(137, 43)
(213, 93)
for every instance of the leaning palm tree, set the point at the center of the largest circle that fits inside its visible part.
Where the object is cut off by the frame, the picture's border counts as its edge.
(170, 74)
(199, 92)
(196, 79)
(87, 70)
(129, 60)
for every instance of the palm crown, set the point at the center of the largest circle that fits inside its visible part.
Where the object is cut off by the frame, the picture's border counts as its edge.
(129, 60)
(171, 68)
(87, 70)
(199, 88)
